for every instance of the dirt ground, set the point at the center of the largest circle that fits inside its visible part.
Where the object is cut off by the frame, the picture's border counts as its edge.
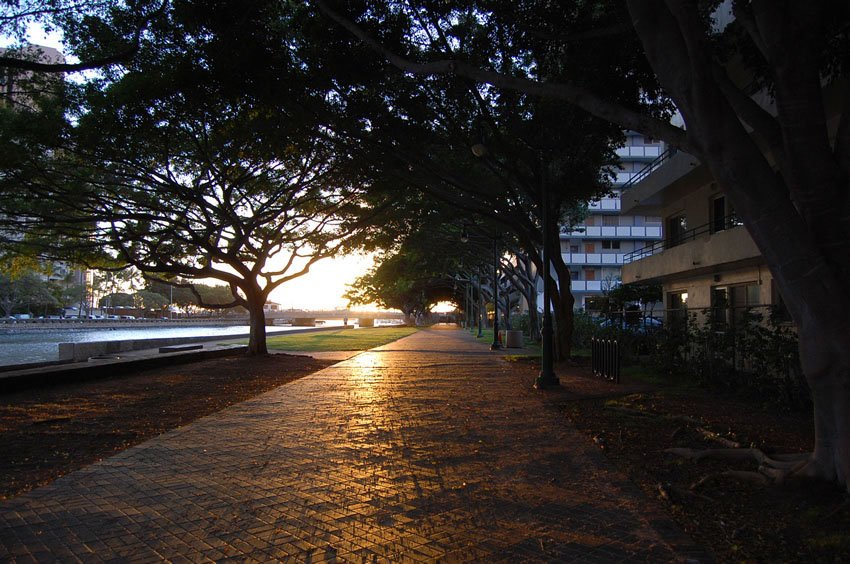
(735, 520)
(45, 433)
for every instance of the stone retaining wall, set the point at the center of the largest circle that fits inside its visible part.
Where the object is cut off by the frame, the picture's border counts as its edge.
(77, 352)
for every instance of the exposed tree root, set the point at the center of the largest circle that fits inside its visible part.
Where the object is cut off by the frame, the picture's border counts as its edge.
(739, 475)
(706, 433)
(838, 509)
(640, 413)
(771, 469)
(630, 411)
(712, 436)
(675, 494)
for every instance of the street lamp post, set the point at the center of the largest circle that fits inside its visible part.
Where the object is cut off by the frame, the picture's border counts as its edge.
(547, 377)
(469, 305)
(480, 307)
(495, 346)
(470, 316)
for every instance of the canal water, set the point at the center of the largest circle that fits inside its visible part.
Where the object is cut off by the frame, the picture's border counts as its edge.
(30, 344)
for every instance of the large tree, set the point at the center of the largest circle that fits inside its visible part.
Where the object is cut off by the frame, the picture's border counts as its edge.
(173, 167)
(420, 132)
(786, 170)
(421, 270)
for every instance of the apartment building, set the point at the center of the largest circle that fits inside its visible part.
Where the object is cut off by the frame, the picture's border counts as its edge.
(707, 259)
(18, 88)
(17, 91)
(595, 249)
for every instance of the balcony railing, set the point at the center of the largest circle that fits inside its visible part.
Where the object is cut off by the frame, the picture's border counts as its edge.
(605, 204)
(673, 240)
(593, 258)
(639, 152)
(648, 169)
(586, 285)
(618, 232)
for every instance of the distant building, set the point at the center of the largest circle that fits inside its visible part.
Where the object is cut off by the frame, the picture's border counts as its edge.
(18, 88)
(594, 251)
(271, 306)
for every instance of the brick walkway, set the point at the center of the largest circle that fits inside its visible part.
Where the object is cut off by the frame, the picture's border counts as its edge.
(430, 448)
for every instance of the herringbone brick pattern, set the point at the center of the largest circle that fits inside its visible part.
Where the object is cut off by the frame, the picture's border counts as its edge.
(430, 448)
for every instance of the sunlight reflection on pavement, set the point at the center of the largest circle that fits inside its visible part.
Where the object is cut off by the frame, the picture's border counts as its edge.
(427, 448)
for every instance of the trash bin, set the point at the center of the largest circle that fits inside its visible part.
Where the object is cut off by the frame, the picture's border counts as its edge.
(513, 339)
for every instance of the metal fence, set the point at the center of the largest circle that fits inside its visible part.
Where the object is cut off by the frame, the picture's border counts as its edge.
(675, 239)
(605, 359)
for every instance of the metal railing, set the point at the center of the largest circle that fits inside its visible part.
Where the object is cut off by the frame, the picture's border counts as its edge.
(672, 240)
(648, 169)
(605, 359)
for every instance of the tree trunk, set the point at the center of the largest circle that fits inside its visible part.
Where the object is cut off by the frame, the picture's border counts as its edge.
(563, 302)
(777, 208)
(257, 322)
(825, 355)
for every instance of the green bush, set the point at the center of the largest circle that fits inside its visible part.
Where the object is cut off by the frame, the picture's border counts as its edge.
(585, 327)
(755, 356)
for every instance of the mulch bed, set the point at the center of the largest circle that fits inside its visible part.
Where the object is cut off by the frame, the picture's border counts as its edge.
(48, 432)
(734, 520)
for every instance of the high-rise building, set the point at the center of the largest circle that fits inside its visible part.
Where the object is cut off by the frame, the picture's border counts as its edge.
(18, 87)
(594, 249)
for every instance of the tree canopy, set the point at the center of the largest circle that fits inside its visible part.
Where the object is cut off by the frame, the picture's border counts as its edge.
(783, 156)
(175, 169)
(254, 104)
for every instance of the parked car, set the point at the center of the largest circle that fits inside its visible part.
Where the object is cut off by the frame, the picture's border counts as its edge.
(639, 325)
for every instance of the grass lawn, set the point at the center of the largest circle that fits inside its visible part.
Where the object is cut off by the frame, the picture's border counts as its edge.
(341, 340)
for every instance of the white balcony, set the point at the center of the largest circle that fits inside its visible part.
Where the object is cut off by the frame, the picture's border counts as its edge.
(586, 285)
(705, 253)
(622, 177)
(596, 259)
(618, 232)
(639, 152)
(605, 204)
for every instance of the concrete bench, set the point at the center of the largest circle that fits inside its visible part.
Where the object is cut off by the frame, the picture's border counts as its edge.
(180, 348)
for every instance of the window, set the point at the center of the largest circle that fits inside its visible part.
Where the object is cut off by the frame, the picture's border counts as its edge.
(611, 245)
(718, 214)
(722, 214)
(610, 220)
(677, 307)
(590, 247)
(574, 274)
(590, 274)
(573, 248)
(731, 304)
(677, 227)
(720, 305)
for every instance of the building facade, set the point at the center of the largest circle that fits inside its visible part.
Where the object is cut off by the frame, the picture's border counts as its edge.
(17, 87)
(707, 260)
(594, 250)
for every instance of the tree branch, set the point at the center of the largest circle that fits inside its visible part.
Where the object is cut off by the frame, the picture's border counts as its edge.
(578, 96)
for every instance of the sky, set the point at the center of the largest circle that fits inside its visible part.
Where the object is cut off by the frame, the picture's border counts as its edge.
(324, 285)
